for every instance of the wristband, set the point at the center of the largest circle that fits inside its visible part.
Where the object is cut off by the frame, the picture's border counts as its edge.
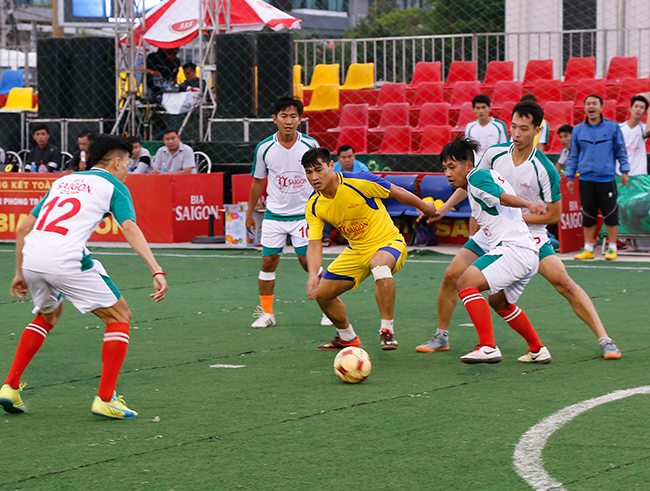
(161, 272)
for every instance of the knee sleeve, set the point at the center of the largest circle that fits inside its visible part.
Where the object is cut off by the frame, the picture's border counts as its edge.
(264, 276)
(381, 272)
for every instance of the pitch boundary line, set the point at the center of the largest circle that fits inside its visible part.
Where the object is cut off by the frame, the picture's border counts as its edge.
(528, 453)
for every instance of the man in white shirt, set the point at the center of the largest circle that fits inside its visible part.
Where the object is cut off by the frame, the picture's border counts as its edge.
(140, 161)
(487, 131)
(564, 134)
(175, 157)
(634, 133)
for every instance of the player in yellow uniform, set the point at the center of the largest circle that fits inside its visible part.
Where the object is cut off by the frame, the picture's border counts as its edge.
(351, 202)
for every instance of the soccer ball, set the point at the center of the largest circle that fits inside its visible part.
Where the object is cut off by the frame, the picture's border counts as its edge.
(352, 365)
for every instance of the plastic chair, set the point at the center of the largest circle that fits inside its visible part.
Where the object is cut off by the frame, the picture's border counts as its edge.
(426, 72)
(434, 138)
(297, 74)
(390, 93)
(497, 72)
(537, 70)
(547, 90)
(505, 113)
(324, 98)
(464, 92)
(11, 79)
(203, 163)
(325, 74)
(428, 92)
(558, 113)
(609, 110)
(629, 87)
(462, 71)
(393, 206)
(396, 140)
(583, 89)
(433, 114)
(578, 69)
(465, 116)
(352, 115)
(621, 67)
(392, 115)
(438, 187)
(20, 99)
(355, 136)
(506, 92)
(360, 76)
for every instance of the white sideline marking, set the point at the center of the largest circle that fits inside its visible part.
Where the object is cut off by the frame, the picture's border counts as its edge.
(528, 452)
(219, 365)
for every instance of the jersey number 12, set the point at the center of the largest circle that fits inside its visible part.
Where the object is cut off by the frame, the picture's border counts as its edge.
(53, 225)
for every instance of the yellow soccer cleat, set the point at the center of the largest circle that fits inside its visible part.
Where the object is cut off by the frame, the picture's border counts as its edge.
(10, 399)
(611, 254)
(584, 254)
(115, 408)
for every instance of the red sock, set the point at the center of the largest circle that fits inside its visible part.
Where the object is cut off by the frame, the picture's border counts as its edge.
(479, 311)
(30, 342)
(116, 342)
(518, 320)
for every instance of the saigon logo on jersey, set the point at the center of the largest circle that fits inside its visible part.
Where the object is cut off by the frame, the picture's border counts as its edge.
(292, 182)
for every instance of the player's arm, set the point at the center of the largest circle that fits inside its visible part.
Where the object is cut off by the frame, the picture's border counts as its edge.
(550, 217)
(257, 188)
(458, 196)
(408, 198)
(517, 202)
(18, 285)
(137, 241)
(314, 262)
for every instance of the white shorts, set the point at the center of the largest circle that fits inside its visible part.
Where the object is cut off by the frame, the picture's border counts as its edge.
(87, 290)
(509, 268)
(274, 235)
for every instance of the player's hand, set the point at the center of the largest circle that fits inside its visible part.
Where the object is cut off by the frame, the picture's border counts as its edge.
(161, 287)
(625, 179)
(156, 171)
(250, 224)
(569, 186)
(312, 287)
(537, 209)
(19, 287)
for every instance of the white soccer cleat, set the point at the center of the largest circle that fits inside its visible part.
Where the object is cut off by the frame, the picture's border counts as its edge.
(543, 356)
(325, 321)
(263, 319)
(483, 354)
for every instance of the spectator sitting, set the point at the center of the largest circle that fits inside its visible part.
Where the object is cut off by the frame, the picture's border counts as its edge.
(347, 161)
(80, 157)
(564, 134)
(140, 162)
(191, 79)
(175, 157)
(162, 67)
(44, 157)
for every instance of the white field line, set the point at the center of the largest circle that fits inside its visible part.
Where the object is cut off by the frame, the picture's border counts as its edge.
(528, 452)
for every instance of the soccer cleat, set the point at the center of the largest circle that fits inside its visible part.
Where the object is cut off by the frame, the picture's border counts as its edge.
(337, 343)
(437, 343)
(10, 399)
(584, 254)
(483, 354)
(263, 319)
(609, 349)
(543, 356)
(115, 408)
(611, 254)
(387, 340)
(325, 321)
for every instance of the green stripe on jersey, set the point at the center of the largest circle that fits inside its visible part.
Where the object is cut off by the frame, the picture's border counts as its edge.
(266, 140)
(269, 215)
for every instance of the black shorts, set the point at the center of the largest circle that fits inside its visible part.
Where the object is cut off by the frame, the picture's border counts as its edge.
(598, 196)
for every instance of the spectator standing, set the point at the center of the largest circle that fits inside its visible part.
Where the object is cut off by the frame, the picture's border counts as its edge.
(347, 161)
(44, 157)
(634, 133)
(140, 162)
(596, 144)
(175, 157)
(191, 79)
(79, 161)
(486, 130)
(564, 134)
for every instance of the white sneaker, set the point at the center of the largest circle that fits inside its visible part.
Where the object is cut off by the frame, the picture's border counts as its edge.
(263, 319)
(325, 321)
(543, 356)
(483, 354)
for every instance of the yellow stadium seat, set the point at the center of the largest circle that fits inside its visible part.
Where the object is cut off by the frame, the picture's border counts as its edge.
(298, 91)
(325, 97)
(297, 74)
(20, 99)
(180, 76)
(324, 74)
(360, 76)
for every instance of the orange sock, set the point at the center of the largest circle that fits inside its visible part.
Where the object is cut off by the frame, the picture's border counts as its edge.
(479, 311)
(267, 303)
(31, 341)
(116, 342)
(518, 320)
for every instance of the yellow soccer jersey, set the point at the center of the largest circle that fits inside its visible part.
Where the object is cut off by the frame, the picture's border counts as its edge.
(356, 211)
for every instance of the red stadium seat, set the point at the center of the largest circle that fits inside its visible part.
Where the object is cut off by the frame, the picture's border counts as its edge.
(547, 90)
(583, 89)
(355, 136)
(609, 110)
(555, 146)
(537, 70)
(466, 116)
(577, 69)
(426, 72)
(392, 115)
(629, 88)
(506, 92)
(396, 139)
(621, 67)
(460, 71)
(390, 93)
(463, 92)
(505, 114)
(352, 115)
(497, 71)
(433, 113)
(434, 138)
(428, 92)
(558, 113)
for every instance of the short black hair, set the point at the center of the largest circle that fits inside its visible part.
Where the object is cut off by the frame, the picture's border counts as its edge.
(460, 149)
(481, 98)
(105, 147)
(565, 128)
(311, 156)
(190, 65)
(39, 127)
(532, 109)
(528, 98)
(344, 148)
(596, 96)
(639, 98)
(87, 134)
(169, 130)
(286, 101)
(133, 139)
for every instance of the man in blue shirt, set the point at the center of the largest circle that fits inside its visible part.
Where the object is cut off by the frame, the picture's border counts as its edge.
(596, 144)
(347, 161)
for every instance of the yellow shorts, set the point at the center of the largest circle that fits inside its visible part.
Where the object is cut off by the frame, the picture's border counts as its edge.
(354, 266)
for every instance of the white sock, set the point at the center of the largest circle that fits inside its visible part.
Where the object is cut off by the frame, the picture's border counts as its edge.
(612, 246)
(603, 339)
(589, 246)
(386, 324)
(347, 334)
(444, 332)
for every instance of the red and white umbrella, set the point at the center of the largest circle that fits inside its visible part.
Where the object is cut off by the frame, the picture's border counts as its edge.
(173, 23)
